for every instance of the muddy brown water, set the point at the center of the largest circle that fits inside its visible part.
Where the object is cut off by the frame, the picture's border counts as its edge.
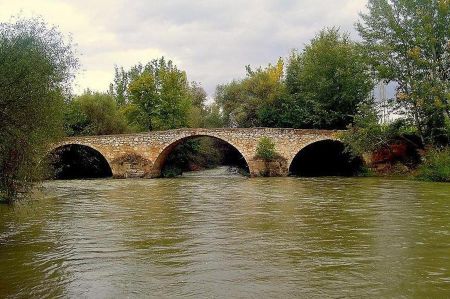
(221, 236)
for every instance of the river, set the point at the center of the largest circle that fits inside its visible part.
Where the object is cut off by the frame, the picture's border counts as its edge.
(220, 236)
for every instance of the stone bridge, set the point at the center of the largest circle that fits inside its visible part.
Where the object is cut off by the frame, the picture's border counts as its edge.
(144, 154)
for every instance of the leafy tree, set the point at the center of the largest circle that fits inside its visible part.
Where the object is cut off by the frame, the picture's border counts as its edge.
(254, 101)
(144, 96)
(36, 68)
(158, 95)
(213, 116)
(408, 42)
(118, 89)
(94, 113)
(198, 109)
(436, 166)
(326, 82)
(198, 95)
(367, 134)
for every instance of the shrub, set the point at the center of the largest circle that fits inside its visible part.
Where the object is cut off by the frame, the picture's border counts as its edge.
(94, 113)
(37, 65)
(266, 149)
(171, 171)
(436, 166)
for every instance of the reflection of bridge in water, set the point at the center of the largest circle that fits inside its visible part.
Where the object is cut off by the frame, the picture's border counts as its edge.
(144, 154)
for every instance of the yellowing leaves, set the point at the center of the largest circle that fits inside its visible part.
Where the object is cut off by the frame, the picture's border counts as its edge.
(415, 53)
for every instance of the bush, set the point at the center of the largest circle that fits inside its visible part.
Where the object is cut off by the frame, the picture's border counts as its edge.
(368, 135)
(36, 71)
(171, 171)
(94, 113)
(266, 149)
(436, 166)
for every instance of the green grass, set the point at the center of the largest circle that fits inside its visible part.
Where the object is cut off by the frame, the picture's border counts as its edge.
(436, 166)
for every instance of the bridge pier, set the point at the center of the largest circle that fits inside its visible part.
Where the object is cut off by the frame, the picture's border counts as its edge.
(275, 168)
(131, 166)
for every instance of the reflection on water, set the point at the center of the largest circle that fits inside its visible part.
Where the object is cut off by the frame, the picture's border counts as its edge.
(228, 236)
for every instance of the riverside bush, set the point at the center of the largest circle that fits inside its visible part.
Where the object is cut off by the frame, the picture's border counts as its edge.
(37, 66)
(266, 149)
(436, 166)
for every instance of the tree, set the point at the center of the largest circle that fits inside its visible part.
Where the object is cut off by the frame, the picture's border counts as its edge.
(409, 43)
(157, 94)
(367, 134)
(198, 109)
(213, 116)
(118, 89)
(254, 101)
(94, 113)
(36, 68)
(326, 82)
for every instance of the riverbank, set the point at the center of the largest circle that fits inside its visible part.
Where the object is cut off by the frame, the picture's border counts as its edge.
(433, 165)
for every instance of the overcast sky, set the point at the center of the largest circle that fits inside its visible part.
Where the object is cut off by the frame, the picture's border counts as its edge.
(212, 40)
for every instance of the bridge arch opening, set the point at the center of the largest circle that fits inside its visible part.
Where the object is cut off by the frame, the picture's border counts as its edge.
(199, 152)
(76, 161)
(325, 158)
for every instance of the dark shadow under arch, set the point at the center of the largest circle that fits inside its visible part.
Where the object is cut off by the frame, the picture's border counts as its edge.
(325, 158)
(75, 161)
(230, 155)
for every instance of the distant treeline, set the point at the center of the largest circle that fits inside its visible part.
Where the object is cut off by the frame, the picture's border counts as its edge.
(318, 87)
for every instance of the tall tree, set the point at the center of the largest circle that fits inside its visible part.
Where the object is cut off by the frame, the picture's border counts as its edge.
(409, 43)
(255, 100)
(36, 68)
(118, 89)
(94, 113)
(326, 82)
(155, 96)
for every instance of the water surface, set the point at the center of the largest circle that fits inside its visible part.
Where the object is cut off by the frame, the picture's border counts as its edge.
(228, 236)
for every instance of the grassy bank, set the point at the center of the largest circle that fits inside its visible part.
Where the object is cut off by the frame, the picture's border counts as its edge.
(435, 166)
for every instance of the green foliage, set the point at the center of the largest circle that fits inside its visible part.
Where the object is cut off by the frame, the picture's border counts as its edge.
(118, 89)
(200, 153)
(212, 117)
(94, 113)
(266, 149)
(254, 101)
(368, 135)
(36, 67)
(436, 166)
(408, 43)
(157, 96)
(326, 82)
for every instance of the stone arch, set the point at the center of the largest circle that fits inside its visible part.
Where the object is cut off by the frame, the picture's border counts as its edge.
(324, 157)
(105, 169)
(164, 153)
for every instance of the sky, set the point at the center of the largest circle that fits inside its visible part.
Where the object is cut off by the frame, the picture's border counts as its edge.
(212, 40)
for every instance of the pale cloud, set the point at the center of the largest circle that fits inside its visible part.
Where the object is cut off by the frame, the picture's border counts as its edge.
(212, 40)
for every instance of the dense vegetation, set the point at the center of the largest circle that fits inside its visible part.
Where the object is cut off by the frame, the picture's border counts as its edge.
(36, 66)
(436, 166)
(407, 42)
(320, 87)
(265, 149)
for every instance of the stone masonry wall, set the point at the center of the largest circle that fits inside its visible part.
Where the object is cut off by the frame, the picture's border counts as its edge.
(143, 155)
